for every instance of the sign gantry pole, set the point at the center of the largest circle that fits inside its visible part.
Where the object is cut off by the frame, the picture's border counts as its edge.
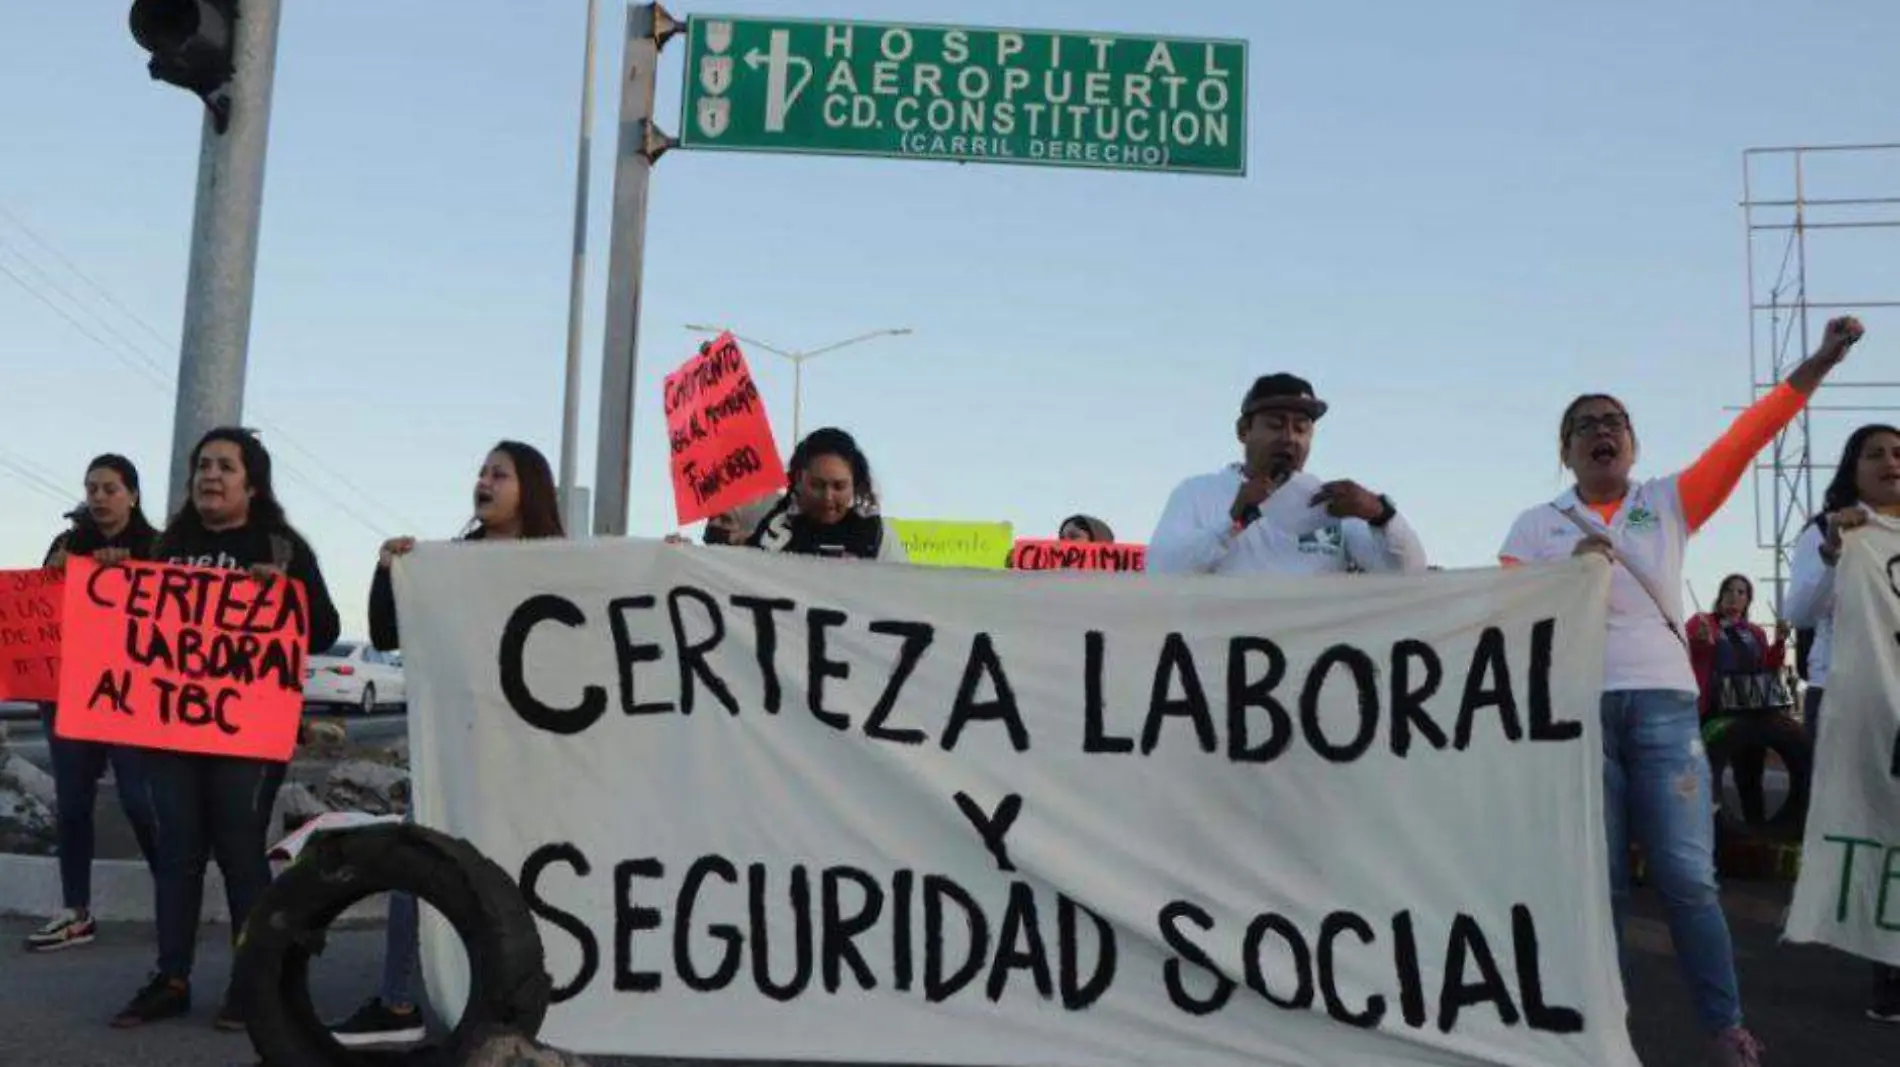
(649, 27)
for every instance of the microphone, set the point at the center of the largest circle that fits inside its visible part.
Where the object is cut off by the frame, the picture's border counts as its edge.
(1277, 472)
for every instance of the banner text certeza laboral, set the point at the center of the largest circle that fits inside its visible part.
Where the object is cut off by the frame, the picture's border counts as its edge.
(1247, 703)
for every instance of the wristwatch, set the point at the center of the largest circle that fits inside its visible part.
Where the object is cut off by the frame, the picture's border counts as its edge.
(1387, 512)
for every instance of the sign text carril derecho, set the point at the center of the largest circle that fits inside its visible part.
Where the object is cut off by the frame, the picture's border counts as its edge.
(792, 808)
(966, 94)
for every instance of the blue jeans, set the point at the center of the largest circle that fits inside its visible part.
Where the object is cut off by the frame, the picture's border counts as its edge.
(402, 952)
(1656, 788)
(1811, 717)
(208, 806)
(77, 768)
(402, 947)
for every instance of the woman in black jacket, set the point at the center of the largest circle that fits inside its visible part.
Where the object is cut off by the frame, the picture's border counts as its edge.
(514, 500)
(220, 806)
(832, 508)
(110, 528)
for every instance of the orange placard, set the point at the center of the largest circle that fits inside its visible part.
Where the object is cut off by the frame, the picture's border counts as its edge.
(1077, 556)
(723, 453)
(185, 659)
(29, 634)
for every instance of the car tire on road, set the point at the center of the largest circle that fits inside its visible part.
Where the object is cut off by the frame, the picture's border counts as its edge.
(508, 982)
(368, 705)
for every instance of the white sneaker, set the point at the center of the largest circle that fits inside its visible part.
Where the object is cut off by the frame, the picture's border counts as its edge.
(67, 930)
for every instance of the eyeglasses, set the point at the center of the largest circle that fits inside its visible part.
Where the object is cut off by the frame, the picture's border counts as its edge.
(1612, 422)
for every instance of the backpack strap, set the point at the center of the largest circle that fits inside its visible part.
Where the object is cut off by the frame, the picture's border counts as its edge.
(282, 551)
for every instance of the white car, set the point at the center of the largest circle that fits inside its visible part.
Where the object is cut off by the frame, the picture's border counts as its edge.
(352, 674)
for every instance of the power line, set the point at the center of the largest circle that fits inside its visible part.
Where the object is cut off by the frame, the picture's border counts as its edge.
(366, 523)
(44, 472)
(32, 479)
(82, 275)
(160, 382)
(92, 283)
(80, 326)
(153, 372)
(6, 468)
(131, 346)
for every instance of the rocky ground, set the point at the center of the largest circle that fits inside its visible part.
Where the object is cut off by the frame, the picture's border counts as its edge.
(26, 803)
(333, 771)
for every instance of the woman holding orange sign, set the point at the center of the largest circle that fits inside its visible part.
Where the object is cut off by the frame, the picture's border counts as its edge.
(219, 806)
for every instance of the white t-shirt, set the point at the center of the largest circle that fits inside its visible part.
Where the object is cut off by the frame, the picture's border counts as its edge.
(1196, 533)
(1649, 533)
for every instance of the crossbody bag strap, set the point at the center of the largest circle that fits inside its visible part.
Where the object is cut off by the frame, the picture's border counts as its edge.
(1636, 573)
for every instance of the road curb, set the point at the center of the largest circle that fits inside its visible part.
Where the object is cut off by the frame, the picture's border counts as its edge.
(121, 892)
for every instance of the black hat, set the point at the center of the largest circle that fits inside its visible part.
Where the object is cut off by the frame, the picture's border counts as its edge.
(1282, 392)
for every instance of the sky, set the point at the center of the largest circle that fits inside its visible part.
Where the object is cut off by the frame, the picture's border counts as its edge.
(1454, 218)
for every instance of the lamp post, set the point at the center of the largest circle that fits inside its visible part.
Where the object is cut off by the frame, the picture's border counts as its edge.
(798, 361)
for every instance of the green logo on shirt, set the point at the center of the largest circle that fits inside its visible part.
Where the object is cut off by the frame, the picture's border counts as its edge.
(1325, 540)
(1642, 518)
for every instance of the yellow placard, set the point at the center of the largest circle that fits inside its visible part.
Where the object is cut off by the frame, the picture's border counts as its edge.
(932, 543)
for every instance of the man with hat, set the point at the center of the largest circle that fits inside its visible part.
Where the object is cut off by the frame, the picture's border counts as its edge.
(1266, 515)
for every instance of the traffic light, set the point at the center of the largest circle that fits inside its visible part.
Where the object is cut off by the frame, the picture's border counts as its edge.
(193, 46)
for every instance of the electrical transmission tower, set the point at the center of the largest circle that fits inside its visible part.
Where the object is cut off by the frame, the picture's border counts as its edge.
(1826, 216)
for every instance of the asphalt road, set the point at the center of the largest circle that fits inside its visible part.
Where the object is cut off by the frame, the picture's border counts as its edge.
(1804, 1002)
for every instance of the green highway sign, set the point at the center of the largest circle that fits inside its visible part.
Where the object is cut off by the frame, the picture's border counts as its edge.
(1054, 98)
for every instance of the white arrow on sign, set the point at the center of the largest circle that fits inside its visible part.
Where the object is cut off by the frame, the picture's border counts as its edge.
(778, 62)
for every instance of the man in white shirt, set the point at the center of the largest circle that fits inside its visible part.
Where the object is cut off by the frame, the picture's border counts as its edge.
(1267, 515)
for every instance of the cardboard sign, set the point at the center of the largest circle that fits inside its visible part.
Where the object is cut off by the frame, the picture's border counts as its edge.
(929, 543)
(29, 634)
(1077, 556)
(185, 659)
(723, 453)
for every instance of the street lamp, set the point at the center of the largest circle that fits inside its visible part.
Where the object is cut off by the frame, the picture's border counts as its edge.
(798, 360)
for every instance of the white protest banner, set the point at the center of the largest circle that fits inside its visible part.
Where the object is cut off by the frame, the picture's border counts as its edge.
(770, 807)
(1848, 894)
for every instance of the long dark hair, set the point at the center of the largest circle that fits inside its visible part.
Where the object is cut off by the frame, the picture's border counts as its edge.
(138, 526)
(1094, 527)
(1844, 490)
(540, 504)
(266, 513)
(832, 441)
(1748, 590)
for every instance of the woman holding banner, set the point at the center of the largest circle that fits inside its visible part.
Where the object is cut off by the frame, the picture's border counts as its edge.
(1866, 482)
(206, 806)
(110, 528)
(832, 508)
(514, 500)
(1655, 776)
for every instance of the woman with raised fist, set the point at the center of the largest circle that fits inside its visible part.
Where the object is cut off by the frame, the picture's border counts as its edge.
(1655, 777)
